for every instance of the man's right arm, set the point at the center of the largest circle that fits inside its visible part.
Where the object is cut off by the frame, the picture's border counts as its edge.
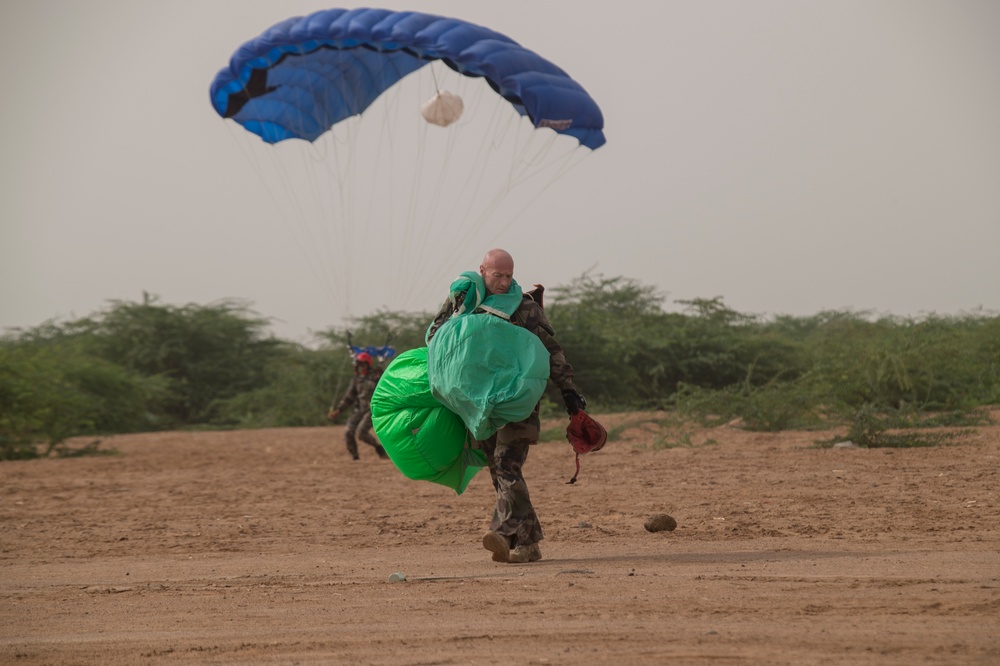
(532, 317)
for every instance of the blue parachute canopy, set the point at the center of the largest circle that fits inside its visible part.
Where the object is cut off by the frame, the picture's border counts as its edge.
(380, 354)
(306, 74)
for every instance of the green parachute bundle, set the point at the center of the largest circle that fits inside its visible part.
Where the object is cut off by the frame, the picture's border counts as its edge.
(479, 374)
(424, 439)
(487, 370)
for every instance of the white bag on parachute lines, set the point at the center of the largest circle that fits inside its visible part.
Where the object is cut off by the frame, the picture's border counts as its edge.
(443, 109)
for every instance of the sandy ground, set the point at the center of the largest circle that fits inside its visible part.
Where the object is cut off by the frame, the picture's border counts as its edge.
(274, 547)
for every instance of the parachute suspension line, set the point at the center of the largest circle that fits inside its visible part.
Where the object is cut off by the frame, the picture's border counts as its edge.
(359, 243)
(329, 169)
(543, 142)
(429, 214)
(544, 188)
(269, 167)
(367, 181)
(338, 210)
(363, 156)
(322, 224)
(307, 185)
(399, 230)
(495, 196)
(437, 87)
(499, 142)
(521, 159)
(303, 170)
(417, 251)
(452, 226)
(307, 167)
(469, 216)
(298, 171)
(557, 166)
(345, 226)
(477, 175)
(413, 245)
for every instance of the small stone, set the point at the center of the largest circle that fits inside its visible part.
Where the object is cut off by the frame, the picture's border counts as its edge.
(660, 522)
(397, 577)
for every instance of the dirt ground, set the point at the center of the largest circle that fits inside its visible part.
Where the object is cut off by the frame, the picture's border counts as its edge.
(274, 547)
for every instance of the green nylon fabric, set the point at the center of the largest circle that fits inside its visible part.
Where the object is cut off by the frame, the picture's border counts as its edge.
(471, 286)
(487, 370)
(424, 440)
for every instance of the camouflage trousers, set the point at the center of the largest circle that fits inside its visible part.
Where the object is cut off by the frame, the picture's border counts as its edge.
(359, 426)
(506, 451)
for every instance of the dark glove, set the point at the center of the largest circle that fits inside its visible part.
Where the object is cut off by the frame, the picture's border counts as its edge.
(574, 401)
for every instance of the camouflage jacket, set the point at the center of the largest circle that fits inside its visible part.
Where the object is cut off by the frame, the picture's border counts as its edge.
(360, 393)
(531, 316)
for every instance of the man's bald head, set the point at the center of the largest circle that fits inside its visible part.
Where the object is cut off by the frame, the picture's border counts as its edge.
(497, 270)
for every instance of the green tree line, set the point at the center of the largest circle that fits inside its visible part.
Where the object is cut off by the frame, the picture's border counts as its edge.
(141, 366)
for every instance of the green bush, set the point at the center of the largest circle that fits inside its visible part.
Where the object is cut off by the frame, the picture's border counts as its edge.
(50, 392)
(905, 428)
(301, 384)
(204, 353)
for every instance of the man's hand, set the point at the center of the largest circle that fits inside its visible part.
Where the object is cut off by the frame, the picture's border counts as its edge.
(332, 414)
(574, 401)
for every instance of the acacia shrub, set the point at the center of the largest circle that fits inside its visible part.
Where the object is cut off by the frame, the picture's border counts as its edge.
(204, 353)
(52, 391)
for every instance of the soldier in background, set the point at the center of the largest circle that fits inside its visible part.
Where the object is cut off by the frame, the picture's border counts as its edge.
(359, 395)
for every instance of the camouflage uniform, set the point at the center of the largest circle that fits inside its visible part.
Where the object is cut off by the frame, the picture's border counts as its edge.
(359, 425)
(507, 449)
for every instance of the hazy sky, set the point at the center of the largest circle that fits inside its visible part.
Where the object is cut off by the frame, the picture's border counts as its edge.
(789, 156)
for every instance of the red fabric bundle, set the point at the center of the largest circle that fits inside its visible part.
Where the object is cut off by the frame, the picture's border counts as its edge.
(585, 435)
